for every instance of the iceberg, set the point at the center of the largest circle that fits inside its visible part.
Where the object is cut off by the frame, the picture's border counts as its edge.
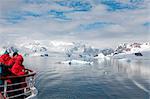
(82, 53)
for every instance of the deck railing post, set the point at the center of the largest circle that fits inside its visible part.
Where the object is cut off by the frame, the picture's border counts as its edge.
(5, 88)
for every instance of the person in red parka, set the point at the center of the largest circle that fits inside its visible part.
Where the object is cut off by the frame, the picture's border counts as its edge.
(18, 68)
(4, 59)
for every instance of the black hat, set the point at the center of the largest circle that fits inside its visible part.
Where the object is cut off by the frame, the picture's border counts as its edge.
(15, 53)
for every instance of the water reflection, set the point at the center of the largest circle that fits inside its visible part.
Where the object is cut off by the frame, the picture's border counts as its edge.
(133, 68)
(137, 71)
(108, 79)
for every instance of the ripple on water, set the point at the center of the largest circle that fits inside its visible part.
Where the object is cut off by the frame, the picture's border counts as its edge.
(101, 81)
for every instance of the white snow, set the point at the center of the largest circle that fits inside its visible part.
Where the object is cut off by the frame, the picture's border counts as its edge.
(80, 52)
(128, 51)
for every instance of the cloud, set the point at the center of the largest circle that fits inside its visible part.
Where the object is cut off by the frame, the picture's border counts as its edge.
(90, 20)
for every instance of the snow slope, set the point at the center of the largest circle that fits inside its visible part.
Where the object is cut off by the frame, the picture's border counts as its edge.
(129, 51)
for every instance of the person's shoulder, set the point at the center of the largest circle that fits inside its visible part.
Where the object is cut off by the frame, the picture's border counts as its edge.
(19, 55)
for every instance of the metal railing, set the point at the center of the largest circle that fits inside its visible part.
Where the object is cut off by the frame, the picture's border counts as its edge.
(21, 86)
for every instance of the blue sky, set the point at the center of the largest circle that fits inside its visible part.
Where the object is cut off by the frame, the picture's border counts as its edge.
(100, 21)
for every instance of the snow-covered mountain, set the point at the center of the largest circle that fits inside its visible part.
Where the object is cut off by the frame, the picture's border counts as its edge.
(79, 50)
(84, 53)
(132, 51)
(38, 47)
(125, 51)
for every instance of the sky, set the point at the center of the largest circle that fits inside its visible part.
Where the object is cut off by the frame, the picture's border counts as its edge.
(100, 22)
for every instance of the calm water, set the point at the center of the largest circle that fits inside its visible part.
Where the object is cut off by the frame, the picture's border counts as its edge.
(106, 80)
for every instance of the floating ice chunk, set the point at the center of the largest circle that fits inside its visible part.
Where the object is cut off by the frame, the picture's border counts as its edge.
(76, 62)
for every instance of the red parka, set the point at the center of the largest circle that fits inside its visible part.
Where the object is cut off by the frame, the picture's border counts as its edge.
(11, 61)
(18, 69)
(19, 58)
(5, 59)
